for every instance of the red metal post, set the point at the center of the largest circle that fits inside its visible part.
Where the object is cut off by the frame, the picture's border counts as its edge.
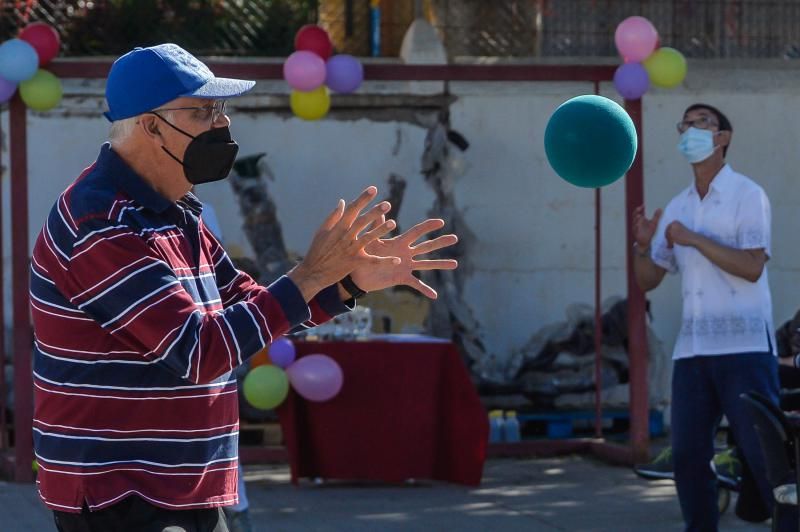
(380, 72)
(23, 381)
(598, 317)
(3, 354)
(598, 314)
(637, 331)
(384, 72)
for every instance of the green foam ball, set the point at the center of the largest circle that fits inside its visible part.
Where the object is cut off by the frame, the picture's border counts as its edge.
(590, 141)
(265, 387)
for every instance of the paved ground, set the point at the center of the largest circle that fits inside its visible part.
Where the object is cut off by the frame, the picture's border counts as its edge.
(565, 494)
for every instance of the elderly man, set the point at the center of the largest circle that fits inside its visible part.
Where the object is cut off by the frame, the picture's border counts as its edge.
(716, 233)
(140, 316)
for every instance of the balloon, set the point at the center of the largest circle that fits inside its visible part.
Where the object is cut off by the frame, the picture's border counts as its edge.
(314, 39)
(316, 377)
(266, 387)
(7, 89)
(590, 141)
(18, 60)
(311, 105)
(631, 81)
(260, 359)
(344, 73)
(282, 352)
(44, 39)
(304, 71)
(636, 38)
(42, 92)
(666, 68)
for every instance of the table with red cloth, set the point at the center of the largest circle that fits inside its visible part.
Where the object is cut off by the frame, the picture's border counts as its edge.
(406, 410)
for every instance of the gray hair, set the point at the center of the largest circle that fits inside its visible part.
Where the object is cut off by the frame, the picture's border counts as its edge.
(122, 129)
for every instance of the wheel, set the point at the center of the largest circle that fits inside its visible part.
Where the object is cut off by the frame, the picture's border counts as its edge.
(723, 499)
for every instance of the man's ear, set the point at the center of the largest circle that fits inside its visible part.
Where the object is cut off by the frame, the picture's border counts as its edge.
(724, 138)
(150, 126)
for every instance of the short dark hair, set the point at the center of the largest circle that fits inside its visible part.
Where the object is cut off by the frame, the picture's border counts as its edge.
(724, 123)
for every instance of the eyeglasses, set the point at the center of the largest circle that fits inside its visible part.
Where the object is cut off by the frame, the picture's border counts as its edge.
(704, 122)
(202, 113)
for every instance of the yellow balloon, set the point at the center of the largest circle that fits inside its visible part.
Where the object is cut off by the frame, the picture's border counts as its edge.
(42, 92)
(311, 105)
(666, 67)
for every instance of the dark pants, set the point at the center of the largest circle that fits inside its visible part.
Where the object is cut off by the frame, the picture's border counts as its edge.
(703, 389)
(134, 514)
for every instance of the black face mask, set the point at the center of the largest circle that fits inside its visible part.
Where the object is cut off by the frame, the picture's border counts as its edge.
(209, 156)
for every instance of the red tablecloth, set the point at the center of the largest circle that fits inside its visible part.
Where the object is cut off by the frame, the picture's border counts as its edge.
(406, 410)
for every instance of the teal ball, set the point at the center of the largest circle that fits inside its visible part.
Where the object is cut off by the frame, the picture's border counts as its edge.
(590, 141)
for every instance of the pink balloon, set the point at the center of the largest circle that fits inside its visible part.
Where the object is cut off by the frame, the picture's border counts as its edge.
(636, 39)
(316, 377)
(304, 71)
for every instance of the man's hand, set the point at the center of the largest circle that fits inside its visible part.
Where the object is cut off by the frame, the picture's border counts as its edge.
(643, 227)
(648, 274)
(338, 245)
(371, 277)
(677, 233)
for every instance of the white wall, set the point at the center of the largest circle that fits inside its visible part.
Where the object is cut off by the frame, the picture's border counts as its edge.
(534, 253)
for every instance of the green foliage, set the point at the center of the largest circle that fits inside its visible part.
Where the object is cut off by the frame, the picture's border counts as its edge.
(206, 27)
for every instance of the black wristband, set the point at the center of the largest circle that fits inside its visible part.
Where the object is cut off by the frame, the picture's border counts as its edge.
(351, 287)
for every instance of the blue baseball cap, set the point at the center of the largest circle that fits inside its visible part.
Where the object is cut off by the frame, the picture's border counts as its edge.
(147, 78)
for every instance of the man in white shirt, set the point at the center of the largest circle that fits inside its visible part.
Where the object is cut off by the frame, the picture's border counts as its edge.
(716, 234)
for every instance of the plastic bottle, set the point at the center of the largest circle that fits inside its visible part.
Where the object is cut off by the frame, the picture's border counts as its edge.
(511, 432)
(495, 426)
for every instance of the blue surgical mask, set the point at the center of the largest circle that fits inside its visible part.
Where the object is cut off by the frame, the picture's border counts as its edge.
(696, 145)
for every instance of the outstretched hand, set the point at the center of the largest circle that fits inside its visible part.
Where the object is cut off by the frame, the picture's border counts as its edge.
(643, 227)
(377, 276)
(339, 245)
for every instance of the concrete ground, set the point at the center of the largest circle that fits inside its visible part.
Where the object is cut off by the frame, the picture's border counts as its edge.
(571, 493)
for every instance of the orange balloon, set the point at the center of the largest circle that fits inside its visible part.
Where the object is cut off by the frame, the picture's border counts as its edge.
(261, 358)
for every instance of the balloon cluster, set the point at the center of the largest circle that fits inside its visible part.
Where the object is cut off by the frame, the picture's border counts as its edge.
(646, 62)
(315, 377)
(21, 62)
(312, 73)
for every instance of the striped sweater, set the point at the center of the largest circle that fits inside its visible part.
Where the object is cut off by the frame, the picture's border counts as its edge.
(139, 319)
